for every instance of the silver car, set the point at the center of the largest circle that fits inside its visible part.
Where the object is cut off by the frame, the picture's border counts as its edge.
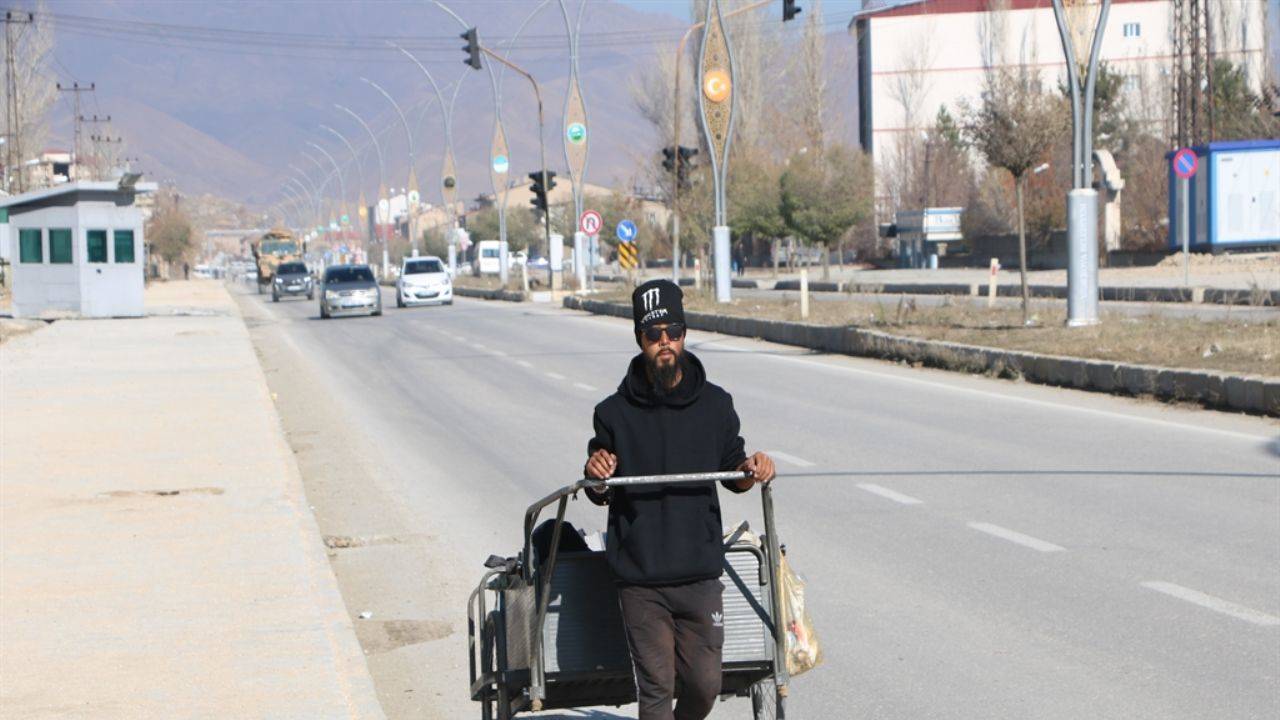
(349, 290)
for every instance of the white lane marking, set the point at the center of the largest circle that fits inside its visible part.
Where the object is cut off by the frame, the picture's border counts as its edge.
(789, 459)
(499, 353)
(1016, 537)
(524, 363)
(891, 494)
(1226, 607)
(555, 376)
(479, 347)
(584, 386)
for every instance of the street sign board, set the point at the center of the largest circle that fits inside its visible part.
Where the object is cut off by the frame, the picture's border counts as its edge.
(576, 132)
(628, 257)
(501, 164)
(590, 222)
(1185, 163)
(626, 231)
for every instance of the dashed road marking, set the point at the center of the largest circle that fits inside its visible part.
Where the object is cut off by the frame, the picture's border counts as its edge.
(479, 347)
(584, 386)
(555, 376)
(1226, 607)
(524, 363)
(891, 494)
(1014, 536)
(499, 353)
(789, 459)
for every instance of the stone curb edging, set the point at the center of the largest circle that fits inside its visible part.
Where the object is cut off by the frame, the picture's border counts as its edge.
(1246, 393)
(506, 295)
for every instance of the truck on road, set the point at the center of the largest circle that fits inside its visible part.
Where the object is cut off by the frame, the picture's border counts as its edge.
(276, 246)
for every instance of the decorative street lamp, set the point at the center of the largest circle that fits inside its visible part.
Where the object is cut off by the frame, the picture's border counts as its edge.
(1082, 200)
(716, 103)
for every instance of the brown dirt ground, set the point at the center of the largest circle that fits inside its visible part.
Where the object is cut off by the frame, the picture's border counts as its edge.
(1236, 346)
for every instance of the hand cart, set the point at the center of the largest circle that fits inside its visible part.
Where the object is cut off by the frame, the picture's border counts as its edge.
(546, 633)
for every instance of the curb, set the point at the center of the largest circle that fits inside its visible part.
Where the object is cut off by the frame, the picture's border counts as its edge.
(1245, 393)
(506, 295)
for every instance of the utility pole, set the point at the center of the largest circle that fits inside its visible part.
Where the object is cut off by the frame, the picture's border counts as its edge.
(1192, 78)
(75, 90)
(13, 114)
(97, 140)
(100, 157)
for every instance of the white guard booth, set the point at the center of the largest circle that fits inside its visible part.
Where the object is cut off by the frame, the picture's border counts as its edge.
(76, 249)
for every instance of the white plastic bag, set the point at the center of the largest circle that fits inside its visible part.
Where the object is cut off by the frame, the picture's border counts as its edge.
(804, 652)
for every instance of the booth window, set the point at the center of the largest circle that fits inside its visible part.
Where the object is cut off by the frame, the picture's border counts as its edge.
(96, 244)
(124, 246)
(29, 244)
(60, 246)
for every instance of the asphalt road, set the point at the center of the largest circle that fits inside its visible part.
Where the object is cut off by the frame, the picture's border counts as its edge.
(974, 548)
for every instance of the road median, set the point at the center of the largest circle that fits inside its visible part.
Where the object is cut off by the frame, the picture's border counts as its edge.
(1214, 389)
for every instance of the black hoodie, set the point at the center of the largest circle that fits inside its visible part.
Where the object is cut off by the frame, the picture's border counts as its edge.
(666, 534)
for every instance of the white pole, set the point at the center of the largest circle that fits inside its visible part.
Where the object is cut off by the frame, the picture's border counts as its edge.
(1184, 227)
(804, 293)
(724, 282)
(991, 283)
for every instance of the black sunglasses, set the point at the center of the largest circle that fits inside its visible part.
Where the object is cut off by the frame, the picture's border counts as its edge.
(674, 331)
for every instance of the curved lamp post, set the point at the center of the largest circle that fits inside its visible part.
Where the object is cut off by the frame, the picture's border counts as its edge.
(412, 186)
(382, 184)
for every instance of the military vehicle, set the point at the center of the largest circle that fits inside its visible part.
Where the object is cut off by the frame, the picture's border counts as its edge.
(274, 247)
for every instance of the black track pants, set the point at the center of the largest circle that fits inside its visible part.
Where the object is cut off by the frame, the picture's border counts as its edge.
(675, 633)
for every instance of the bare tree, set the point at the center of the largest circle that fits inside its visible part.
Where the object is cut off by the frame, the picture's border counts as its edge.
(36, 88)
(814, 78)
(1012, 127)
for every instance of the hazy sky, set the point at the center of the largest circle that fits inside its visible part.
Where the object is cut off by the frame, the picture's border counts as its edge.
(680, 8)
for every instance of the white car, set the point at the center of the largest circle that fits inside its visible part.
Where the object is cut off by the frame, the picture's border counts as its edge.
(424, 281)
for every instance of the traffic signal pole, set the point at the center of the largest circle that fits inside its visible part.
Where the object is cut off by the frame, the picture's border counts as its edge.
(542, 152)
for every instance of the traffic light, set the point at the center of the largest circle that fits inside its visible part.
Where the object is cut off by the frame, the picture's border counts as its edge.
(669, 159)
(539, 199)
(472, 48)
(678, 160)
(789, 10)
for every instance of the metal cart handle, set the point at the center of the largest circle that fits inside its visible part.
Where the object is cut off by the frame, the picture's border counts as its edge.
(531, 515)
(537, 688)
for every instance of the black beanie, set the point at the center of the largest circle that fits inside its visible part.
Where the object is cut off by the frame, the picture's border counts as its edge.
(657, 302)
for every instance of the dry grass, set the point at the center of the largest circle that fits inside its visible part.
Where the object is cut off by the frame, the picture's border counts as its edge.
(1251, 347)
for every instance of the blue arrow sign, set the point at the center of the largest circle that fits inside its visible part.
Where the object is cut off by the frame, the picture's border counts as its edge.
(627, 231)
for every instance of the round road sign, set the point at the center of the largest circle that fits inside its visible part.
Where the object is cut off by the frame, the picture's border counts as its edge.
(590, 222)
(576, 132)
(1185, 163)
(501, 164)
(626, 231)
(448, 182)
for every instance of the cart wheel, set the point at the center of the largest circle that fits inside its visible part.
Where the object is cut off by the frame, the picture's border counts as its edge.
(766, 702)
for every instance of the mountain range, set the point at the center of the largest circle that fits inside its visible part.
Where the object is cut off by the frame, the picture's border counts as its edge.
(221, 98)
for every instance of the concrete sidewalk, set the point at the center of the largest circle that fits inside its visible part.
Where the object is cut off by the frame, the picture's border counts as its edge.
(159, 557)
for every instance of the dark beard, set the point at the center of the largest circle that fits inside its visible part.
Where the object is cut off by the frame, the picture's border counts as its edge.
(663, 377)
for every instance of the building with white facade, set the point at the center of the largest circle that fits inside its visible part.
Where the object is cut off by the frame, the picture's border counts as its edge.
(915, 56)
(77, 249)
